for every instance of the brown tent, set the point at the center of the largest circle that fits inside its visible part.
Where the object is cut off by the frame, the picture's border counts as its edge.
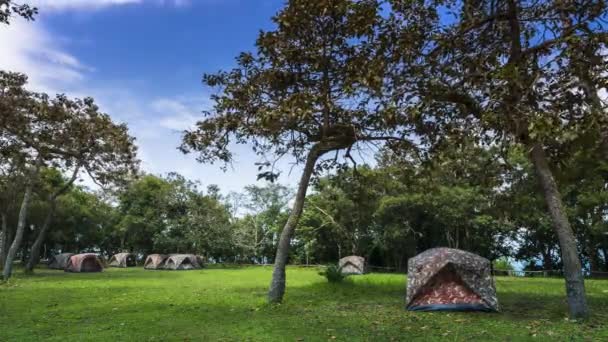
(352, 265)
(445, 279)
(182, 262)
(87, 262)
(123, 260)
(59, 261)
(155, 262)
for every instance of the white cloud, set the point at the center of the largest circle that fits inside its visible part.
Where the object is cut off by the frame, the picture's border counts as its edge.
(59, 5)
(27, 47)
(175, 114)
(30, 48)
(176, 3)
(63, 5)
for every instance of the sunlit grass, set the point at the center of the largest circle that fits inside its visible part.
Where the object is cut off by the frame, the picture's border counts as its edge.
(229, 304)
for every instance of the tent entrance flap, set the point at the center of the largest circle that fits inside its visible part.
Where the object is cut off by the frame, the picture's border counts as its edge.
(446, 287)
(90, 265)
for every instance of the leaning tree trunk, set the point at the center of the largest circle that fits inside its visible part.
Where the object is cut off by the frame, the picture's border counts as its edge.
(277, 285)
(35, 250)
(12, 252)
(575, 284)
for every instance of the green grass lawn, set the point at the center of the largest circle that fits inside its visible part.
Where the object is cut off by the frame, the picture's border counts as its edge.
(229, 305)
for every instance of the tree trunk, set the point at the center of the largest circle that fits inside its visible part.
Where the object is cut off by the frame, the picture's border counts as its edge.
(7, 245)
(12, 252)
(575, 283)
(605, 253)
(35, 250)
(277, 285)
(4, 242)
(594, 257)
(547, 261)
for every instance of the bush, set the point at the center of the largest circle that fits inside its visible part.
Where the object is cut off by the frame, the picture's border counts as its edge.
(503, 264)
(333, 273)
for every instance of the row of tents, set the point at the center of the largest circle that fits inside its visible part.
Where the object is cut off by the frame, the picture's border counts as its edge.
(442, 279)
(91, 262)
(69, 262)
(173, 262)
(439, 279)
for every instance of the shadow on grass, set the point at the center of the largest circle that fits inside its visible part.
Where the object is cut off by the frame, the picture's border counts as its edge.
(519, 299)
(236, 266)
(210, 305)
(516, 304)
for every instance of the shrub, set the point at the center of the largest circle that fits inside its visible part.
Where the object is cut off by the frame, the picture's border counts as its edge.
(503, 264)
(333, 273)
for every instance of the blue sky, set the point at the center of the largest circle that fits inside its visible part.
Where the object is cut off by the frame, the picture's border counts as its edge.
(142, 60)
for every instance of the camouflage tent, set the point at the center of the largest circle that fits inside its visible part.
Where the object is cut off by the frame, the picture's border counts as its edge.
(450, 279)
(352, 265)
(87, 262)
(123, 260)
(155, 262)
(182, 262)
(59, 261)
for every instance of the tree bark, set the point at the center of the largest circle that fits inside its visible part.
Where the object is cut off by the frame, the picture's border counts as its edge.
(277, 284)
(35, 250)
(4, 242)
(12, 252)
(575, 283)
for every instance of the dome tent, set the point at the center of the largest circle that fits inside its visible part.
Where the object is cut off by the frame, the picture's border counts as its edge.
(123, 260)
(87, 262)
(445, 279)
(352, 265)
(59, 261)
(155, 262)
(182, 262)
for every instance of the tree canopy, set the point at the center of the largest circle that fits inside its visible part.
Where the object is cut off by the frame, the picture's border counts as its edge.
(484, 117)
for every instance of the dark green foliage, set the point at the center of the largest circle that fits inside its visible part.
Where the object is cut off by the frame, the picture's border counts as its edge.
(171, 215)
(333, 273)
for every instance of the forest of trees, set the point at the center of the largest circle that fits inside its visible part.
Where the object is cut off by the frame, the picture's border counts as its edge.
(462, 197)
(485, 117)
